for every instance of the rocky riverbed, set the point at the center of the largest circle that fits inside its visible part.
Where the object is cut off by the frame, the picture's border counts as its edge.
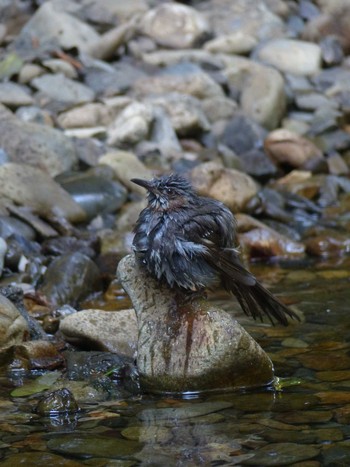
(250, 100)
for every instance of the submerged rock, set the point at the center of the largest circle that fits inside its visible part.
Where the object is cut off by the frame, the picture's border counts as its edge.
(57, 402)
(189, 346)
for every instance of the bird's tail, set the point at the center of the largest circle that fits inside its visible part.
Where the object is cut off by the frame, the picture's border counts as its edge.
(258, 302)
(255, 300)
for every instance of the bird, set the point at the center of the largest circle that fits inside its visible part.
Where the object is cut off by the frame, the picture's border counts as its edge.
(189, 242)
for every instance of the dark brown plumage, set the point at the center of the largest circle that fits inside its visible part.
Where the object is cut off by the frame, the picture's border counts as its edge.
(189, 241)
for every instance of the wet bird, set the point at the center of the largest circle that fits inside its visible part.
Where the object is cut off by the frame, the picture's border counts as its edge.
(189, 241)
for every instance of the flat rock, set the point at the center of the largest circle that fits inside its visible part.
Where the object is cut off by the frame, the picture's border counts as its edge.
(62, 89)
(189, 347)
(34, 144)
(28, 186)
(184, 78)
(291, 56)
(112, 331)
(14, 95)
(174, 25)
(50, 28)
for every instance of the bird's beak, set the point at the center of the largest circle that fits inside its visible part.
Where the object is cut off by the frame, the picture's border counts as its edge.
(144, 183)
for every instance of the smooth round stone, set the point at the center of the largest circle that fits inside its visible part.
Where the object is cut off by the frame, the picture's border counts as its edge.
(174, 25)
(57, 402)
(232, 187)
(70, 278)
(291, 56)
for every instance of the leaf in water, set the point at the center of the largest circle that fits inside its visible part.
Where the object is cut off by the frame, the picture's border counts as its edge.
(38, 385)
(280, 383)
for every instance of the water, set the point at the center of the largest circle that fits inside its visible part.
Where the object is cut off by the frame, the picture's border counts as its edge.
(304, 420)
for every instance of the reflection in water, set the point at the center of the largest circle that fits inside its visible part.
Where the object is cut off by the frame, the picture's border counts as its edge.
(304, 419)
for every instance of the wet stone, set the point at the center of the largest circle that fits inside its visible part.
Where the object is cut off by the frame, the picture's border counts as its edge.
(85, 365)
(282, 454)
(102, 330)
(34, 458)
(57, 402)
(82, 446)
(187, 411)
(70, 278)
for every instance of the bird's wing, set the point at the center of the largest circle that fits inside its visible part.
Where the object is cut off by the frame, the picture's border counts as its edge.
(214, 228)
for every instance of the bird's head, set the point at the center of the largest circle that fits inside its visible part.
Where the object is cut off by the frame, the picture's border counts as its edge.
(169, 191)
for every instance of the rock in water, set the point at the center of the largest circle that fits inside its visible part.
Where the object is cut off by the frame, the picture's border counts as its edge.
(189, 347)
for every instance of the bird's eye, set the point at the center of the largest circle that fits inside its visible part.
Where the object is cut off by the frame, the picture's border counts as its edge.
(169, 191)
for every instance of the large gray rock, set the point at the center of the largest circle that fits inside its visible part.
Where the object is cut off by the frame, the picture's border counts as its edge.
(36, 145)
(189, 346)
(31, 187)
(51, 27)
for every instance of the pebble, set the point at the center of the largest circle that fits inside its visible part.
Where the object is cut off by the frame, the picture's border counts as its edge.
(291, 56)
(286, 147)
(131, 125)
(230, 186)
(174, 25)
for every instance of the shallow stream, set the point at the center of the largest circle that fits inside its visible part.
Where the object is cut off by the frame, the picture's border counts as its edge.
(303, 421)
